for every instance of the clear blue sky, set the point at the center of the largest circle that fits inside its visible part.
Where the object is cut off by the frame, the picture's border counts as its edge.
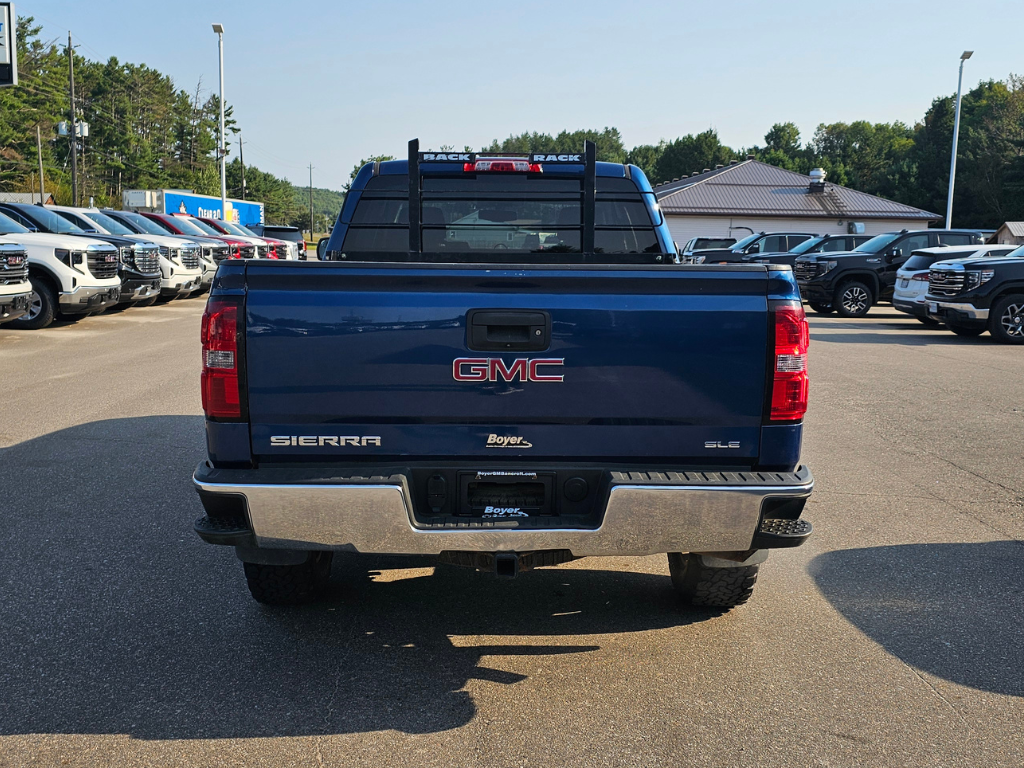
(328, 82)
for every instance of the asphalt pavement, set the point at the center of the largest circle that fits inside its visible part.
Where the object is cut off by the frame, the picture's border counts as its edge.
(893, 638)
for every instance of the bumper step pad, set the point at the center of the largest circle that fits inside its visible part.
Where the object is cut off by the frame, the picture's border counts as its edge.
(775, 533)
(215, 530)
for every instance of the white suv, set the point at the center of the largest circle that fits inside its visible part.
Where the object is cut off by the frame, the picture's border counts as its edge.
(70, 275)
(15, 289)
(912, 278)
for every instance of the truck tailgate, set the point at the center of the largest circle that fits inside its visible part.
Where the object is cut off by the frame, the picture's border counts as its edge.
(357, 361)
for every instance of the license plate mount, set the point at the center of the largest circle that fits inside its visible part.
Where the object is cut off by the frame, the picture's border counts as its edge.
(501, 495)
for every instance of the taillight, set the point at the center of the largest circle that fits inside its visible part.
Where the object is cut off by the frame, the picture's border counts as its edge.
(220, 382)
(920, 276)
(789, 385)
(237, 253)
(503, 166)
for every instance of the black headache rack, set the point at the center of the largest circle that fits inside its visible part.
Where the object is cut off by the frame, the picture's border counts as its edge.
(587, 254)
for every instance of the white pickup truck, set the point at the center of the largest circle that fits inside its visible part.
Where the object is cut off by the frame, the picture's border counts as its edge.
(70, 276)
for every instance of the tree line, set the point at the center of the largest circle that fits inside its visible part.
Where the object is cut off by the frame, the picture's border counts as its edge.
(144, 133)
(147, 133)
(906, 163)
(909, 164)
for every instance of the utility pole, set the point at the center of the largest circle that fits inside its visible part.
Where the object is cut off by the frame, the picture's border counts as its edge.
(74, 124)
(219, 29)
(241, 159)
(39, 153)
(311, 202)
(956, 135)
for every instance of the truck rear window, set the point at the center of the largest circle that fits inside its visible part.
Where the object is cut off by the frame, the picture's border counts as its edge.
(492, 213)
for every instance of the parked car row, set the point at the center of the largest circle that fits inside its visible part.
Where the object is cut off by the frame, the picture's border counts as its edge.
(290, 235)
(910, 294)
(59, 261)
(937, 275)
(979, 293)
(851, 282)
(765, 248)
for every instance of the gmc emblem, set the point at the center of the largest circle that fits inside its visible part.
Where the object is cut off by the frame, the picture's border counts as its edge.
(495, 369)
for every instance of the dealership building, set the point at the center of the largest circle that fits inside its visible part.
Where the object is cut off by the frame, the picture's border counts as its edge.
(242, 212)
(749, 196)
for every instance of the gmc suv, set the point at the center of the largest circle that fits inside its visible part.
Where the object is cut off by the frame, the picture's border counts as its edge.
(972, 296)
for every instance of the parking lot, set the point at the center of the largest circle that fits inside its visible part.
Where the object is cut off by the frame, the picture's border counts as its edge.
(892, 638)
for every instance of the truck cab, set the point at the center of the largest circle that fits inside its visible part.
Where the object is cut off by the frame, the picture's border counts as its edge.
(819, 244)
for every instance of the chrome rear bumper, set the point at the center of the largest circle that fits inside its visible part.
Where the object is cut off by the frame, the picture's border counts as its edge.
(643, 515)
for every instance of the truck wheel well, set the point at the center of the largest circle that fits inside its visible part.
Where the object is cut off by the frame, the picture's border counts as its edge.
(1006, 291)
(46, 277)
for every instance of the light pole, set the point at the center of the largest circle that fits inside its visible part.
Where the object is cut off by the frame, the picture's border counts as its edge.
(219, 29)
(956, 135)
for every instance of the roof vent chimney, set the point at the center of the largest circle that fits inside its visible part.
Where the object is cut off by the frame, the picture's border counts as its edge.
(733, 162)
(750, 157)
(817, 180)
(706, 170)
(718, 166)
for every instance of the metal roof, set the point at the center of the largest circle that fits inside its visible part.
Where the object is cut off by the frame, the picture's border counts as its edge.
(754, 188)
(1015, 228)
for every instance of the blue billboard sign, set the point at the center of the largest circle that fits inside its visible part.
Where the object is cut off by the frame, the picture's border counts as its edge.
(241, 212)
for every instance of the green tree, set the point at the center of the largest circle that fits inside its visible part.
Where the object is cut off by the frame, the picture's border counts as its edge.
(609, 143)
(690, 153)
(646, 157)
(990, 164)
(784, 138)
(874, 157)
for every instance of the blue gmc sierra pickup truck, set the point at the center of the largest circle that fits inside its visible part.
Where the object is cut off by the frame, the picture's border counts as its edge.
(501, 363)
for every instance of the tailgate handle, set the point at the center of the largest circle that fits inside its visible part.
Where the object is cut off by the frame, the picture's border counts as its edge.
(508, 330)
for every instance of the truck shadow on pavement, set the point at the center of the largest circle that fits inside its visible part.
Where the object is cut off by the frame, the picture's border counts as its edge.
(955, 611)
(117, 619)
(878, 330)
